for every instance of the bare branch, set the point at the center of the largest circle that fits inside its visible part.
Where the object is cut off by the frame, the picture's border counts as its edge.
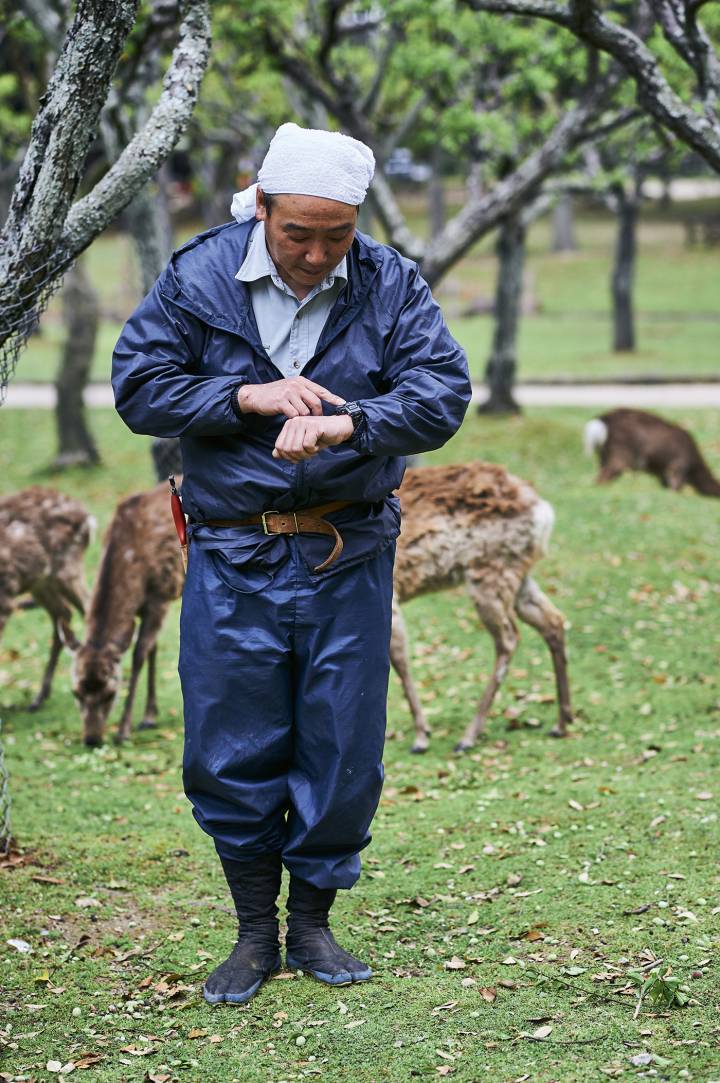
(371, 98)
(482, 214)
(385, 206)
(142, 157)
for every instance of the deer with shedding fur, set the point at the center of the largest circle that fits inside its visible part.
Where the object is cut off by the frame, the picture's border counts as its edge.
(471, 523)
(635, 440)
(43, 538)
(477, 524)
(140, 575)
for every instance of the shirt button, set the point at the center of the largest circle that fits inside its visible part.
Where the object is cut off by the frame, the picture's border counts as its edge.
(296, 364)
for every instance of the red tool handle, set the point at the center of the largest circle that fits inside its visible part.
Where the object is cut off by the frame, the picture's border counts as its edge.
(177, 512)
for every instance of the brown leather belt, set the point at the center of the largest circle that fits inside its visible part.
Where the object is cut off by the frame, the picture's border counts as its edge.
(304, 521)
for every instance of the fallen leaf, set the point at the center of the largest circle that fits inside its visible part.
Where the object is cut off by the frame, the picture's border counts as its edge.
(83, 901)
(456, 963)
(488, 993)
(541, 1032)
(86, 1060)
(196, 1032)
(704, 796)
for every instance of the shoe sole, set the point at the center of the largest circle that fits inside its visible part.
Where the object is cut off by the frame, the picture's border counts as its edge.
(238, 998)
(344, 978)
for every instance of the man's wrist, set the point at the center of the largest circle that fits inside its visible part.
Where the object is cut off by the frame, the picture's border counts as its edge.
(347, 428)
(237, 407)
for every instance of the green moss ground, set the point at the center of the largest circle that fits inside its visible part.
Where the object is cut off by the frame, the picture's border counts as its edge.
(539, 870)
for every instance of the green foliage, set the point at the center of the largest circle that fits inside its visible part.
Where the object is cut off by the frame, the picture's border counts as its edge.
(660, 990)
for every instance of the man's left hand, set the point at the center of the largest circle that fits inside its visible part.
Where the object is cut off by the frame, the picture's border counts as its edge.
(302, 437)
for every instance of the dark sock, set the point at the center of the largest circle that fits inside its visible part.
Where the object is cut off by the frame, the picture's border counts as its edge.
(254, 886)
(310, 945)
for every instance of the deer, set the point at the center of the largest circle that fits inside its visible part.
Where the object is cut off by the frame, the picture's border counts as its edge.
(636, 440)
(140, 575)
(44, 535)
(472, 523)
(479, 525)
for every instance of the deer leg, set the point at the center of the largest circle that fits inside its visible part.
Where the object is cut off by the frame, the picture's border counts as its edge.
(62, 635)
(533, 607)
(496, 615)
(150, 716)
(150, 623)
(608, 472)
(56, 647)
(401, 664)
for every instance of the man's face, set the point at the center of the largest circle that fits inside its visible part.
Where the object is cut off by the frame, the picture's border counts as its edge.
(306, 236)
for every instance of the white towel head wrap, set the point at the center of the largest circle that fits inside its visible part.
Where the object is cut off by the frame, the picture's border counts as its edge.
(310, 162)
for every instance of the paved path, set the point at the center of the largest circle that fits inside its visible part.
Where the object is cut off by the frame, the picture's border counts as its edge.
(643, 396)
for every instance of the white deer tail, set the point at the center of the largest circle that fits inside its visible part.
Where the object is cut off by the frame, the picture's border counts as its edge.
(543, 523)
(595, 435)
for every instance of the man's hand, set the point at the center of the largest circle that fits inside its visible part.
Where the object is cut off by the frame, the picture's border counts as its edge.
(296, 397)
(302, 437)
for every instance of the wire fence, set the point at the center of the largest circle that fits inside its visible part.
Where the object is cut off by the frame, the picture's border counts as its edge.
(23, 298)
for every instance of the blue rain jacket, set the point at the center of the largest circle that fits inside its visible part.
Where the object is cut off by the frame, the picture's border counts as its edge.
(193, 341)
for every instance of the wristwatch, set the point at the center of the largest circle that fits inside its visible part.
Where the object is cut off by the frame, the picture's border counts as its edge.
(353, 411)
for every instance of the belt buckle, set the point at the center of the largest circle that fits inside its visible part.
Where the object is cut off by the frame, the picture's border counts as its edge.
(274, 511)
(263, 518)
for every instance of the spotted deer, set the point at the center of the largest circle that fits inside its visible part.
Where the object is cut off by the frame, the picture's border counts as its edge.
(140, 575)
(43, 538)
(472, 523)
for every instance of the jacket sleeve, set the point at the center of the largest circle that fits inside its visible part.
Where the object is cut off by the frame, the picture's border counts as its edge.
(158, 389)
(430, 384)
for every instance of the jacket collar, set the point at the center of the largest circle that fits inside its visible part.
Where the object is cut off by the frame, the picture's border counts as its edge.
(201, 280)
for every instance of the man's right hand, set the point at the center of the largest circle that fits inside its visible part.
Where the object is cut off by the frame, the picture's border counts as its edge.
(293, 398)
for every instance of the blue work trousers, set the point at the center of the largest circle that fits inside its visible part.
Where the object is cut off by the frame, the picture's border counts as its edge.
(284, 678)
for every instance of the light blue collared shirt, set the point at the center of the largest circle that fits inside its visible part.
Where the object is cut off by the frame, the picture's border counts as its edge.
(289, 328)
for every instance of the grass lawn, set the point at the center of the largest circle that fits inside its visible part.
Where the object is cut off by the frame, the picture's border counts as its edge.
(506, 894)
(678, 320)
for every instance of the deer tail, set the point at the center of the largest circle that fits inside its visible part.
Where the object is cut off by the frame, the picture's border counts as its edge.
(595, 435)
(543, 523)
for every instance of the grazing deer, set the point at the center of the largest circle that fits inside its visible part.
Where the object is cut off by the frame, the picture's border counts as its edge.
(476, 523)
(43, 538)
(140, 575)
(636, 440)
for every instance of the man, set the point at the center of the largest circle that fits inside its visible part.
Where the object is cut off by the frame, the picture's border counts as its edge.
(298, 361)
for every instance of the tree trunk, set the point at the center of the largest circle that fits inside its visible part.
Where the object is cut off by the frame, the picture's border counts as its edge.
(76, 446)
(563, 239)
(436, 194)
(153, 251)
(624, 273)
(500, 370)
(151, 244)
(45, 230)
